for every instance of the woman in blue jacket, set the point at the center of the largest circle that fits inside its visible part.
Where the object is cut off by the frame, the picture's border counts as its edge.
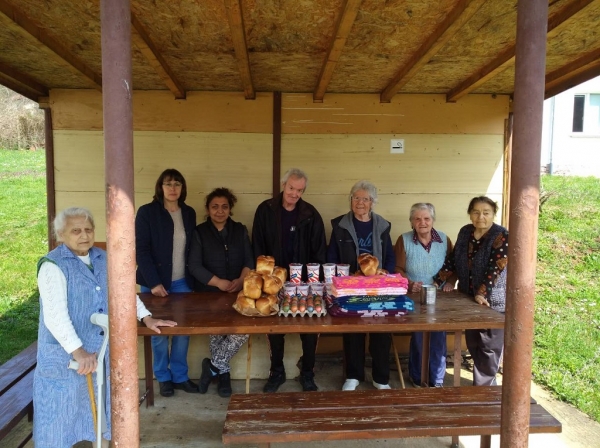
(163, 234)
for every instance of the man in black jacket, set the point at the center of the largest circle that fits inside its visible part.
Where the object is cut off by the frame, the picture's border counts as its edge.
(292, 231)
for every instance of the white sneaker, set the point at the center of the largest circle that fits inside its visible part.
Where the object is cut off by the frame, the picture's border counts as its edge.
(381, 386)
(350, 384)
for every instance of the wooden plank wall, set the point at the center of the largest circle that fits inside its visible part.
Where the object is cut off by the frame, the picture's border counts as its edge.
(453, 151)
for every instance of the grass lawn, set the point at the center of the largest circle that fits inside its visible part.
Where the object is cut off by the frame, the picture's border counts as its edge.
(567, 317)
(23, 240)
(567, 332)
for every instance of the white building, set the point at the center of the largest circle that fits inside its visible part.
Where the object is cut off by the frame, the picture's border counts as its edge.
(571, 131)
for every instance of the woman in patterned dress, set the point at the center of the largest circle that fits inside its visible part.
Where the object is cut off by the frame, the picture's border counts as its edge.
(478, 262)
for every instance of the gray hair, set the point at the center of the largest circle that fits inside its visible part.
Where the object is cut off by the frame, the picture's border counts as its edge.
(60, 222)
(422, 206)
(366, 186)
(294, 172)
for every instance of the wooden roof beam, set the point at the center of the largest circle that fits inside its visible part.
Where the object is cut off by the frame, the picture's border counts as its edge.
(507, 57)
(453, 22)
(27, 82)
(141, 39)
(344, 24)
(573, 73)
(19, 88)
(238, 36)
(26, 27)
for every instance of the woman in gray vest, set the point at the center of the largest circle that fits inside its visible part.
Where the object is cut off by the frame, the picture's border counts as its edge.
(478, 262)
(420, 254)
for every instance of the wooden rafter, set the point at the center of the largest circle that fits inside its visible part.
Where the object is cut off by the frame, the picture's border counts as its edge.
(345, 20)
(20, 78)
(19, 88)
(238, 36)
(506, 58)
(26, 27)
(461, 13)
(573, 74)
(142, 41)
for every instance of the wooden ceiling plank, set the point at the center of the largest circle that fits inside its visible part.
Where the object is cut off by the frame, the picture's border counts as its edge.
(571, 68)
(572, 79)
(238, 36)
(141, 39)
(344, 24)
(24, 25)
(507, 57)
(23, 79)
(462, 12)
(19, 88)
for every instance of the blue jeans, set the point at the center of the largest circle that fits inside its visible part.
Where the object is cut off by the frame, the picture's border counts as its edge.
(171, 366)
(437, 357)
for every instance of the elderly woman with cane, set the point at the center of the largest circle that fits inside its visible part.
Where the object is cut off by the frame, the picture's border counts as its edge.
(72, 281)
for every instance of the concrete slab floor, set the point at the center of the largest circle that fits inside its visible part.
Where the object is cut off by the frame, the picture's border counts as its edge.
(195, 420)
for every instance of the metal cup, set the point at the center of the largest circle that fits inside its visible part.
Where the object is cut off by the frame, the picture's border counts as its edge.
(428, 293)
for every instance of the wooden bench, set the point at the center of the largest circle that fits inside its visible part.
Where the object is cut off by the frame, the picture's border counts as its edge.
(16, 390)
(370, 414)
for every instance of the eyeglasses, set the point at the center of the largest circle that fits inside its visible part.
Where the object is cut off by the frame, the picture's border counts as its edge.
(360, 199)
(172, 184)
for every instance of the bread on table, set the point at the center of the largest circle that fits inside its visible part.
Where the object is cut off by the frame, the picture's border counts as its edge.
(368, 264)
(244, 302)
(265, 264)
(280, 273)
(273, 300)
(263, 306)
(271, 284)
(382, 272)
(253, 285)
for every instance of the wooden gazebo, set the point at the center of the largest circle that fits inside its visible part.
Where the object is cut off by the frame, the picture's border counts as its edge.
(443, 69)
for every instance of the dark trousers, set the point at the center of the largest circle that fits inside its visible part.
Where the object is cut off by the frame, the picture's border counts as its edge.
(379, 348)
(485, 347)
(309, 348)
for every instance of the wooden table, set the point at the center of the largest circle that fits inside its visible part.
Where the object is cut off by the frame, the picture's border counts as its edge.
(211, 313)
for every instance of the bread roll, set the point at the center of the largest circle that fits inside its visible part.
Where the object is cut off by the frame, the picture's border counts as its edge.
(382, 272)
(280, 273)
(273, 300)
(263, 305)
(271, 284)
(368, 264)
(253, 286)
(265, 264)
(245, 302)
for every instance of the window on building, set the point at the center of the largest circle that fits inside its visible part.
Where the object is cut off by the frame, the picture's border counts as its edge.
(578, 107)
(586, 113)
(593, 116)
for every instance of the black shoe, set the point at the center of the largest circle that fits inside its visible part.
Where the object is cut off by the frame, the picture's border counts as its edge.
(308, 383)
(224, 387)
(274, 381)
(206, 377)
(187, 386)
(166, 388)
